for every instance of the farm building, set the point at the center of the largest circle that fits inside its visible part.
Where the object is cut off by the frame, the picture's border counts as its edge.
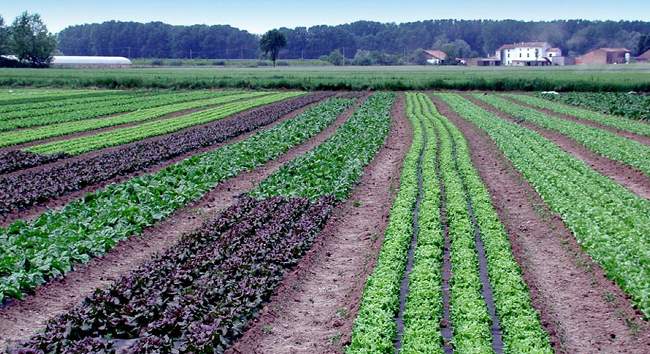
(435, 57)
(484, 61)
(528, 54)
(90, 61)
(645, 57)
(605, 56)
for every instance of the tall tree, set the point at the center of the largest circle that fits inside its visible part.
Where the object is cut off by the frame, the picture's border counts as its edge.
(31, 41)
(4, 36)
(271, 43)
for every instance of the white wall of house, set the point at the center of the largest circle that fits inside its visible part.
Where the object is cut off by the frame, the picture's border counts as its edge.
(434, 61)
(528, 53)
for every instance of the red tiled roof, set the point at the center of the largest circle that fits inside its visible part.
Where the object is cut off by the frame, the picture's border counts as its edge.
(438, 54)
(614, 49)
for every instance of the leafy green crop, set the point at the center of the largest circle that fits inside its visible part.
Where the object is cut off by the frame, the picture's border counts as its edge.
(36, 251)
(608, 221)
(605, 143)
(374, 328)
(629, 125)
(616, 103)
(126, 135)
(520, 324)
(334, 166)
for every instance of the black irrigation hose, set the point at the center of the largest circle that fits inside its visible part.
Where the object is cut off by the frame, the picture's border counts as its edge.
(486, 288)
(404, 287)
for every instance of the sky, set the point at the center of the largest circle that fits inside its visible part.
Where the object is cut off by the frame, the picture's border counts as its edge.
(262, 15)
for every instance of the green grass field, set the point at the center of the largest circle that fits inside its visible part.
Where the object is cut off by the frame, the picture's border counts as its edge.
(571, 78)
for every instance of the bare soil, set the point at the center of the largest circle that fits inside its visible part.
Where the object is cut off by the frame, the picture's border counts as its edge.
(314, 308)
(58, 203)
(639, 138)
(629, 177)
(582, 310)
(21, 319)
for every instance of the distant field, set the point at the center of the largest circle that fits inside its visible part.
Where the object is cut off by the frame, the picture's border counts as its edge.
(574, 78)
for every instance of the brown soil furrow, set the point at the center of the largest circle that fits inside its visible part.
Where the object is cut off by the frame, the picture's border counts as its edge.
(20, 319)
(639, 138)
(582, 310)
(57, 203)
(629, 177)
(314, 308)
(410, 255)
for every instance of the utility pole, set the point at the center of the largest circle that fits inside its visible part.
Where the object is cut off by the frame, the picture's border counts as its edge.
(129, 55)
(343, 56)
(302, 54)
(190, 53)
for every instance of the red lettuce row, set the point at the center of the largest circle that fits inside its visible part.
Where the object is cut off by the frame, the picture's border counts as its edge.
(14, 160)
(200, 294)
(21, 191)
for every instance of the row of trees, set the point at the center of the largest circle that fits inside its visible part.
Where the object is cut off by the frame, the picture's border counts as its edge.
(464, 38)
(28, 39)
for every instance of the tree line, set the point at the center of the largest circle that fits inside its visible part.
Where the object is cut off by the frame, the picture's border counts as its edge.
(28, 39)
(463, 38)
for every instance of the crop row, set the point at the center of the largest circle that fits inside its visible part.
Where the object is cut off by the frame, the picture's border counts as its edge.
(25, 189)
(91, 110)
(60, 129)
(608, 221)
(473, 225)
(33, 252)
(199, 295)
(620, 104)
(30, 96)
(37, 109)
(603, 142)
(125, 135)
(14, 160)
(374, 328)
(520, 324)
(334, 166)
(633, 126)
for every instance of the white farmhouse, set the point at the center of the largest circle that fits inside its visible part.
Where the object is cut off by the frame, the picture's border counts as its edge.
(528, 54)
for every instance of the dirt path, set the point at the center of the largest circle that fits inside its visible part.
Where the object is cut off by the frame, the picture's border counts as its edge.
(580, 308)
(627, 176)
(20, 319)
(59, 202)
(640, 138)
(315, 306)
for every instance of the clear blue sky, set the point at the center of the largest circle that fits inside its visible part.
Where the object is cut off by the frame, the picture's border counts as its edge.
(259, 16)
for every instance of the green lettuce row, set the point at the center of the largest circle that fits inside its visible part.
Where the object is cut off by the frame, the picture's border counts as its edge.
(117, 104)
(374, 328)
(132, 117)
(22, 101)
(471, 322)
(632, 126)
(126, 135)
(33, 252)
(424, 302)
(609, 222)
(605, 143)
(334, 166)
(522, 330)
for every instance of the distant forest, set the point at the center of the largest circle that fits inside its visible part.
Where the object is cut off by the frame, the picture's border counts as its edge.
(467, 38)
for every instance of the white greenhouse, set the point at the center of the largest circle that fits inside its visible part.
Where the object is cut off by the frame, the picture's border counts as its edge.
(90, 61)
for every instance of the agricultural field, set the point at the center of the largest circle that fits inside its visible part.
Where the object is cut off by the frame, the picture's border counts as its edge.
(277, 220)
